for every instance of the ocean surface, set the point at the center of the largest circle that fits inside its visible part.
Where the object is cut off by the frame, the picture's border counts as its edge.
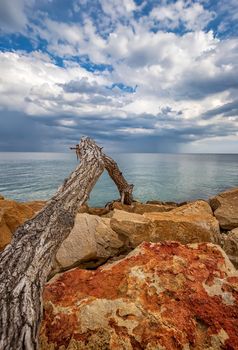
(167, 177)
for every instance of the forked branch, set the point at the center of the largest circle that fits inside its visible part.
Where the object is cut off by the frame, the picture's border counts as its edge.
(26, 261)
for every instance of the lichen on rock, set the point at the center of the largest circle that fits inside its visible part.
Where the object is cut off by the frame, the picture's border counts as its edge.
(161, 296)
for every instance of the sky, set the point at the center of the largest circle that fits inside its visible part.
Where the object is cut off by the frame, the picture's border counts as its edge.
(135, 75)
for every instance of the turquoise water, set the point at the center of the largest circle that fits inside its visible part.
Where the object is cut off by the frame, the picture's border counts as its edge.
(168, 177)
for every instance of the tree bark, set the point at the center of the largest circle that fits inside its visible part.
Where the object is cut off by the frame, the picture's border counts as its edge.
(114, 172)
(26, 261)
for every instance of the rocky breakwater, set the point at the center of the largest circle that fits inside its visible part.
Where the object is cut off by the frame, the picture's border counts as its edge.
(14, 214)
(164, 296)
(95, 239)
(100, 234)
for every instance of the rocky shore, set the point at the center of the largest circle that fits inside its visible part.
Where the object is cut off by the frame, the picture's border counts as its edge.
(156, 275)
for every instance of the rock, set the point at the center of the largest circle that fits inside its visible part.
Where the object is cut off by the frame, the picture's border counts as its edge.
(162, 296)
(225, 207)
(14, 214)
(1, 197)
(93, 211)
(140, 208)
(135, 207)
(190, 223)
(90, 243)
(135, 227)
(229, 243)
(163, 203)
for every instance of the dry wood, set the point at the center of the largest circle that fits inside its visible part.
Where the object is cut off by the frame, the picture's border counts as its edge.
(114, 172)
(26, 262)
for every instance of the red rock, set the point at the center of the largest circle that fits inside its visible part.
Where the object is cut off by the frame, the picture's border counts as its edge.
(161, 296)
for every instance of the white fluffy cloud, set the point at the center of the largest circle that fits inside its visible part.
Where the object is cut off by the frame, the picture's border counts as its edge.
(156, 83)
(191, 15)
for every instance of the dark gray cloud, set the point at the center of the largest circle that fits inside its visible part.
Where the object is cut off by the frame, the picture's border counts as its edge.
(227, 110)
(19, 132)
(197, 86)
(83, 86)
(156, 132)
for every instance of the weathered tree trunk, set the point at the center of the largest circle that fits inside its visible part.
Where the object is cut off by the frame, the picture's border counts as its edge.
(114, 172)
(26, 262)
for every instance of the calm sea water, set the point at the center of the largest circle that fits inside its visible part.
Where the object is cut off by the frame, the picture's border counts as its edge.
(168, 177)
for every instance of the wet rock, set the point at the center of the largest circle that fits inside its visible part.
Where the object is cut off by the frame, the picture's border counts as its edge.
(225, 207)
(90, 243)
(229, 243)
(161, 296)
(14, 214)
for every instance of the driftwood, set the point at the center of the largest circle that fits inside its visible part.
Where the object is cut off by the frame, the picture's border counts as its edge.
(26, 261)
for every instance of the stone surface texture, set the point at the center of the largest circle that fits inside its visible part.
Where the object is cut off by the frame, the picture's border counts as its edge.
(229, 243)
(225, 207)
(12, 215)
(192, 222)
(135, 227)
(162, 296)
(91, 239)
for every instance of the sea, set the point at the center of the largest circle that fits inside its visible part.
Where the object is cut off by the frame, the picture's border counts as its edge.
(166, 177)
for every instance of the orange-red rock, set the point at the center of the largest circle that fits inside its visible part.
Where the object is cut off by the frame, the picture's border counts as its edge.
(163, 296)
(12, 215)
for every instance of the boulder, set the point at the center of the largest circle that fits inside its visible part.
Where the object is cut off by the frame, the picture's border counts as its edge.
(14, 214)
(134, 227)
(162, 296)
(1, 197)
(189, 223)
(90, 243)
(225, 207)
(229, 243)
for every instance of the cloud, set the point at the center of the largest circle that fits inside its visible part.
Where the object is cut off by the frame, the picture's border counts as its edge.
(227, 110)
(13, 15)
(186, 13)
(228, 15)
(20, 133)
(150, 77)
